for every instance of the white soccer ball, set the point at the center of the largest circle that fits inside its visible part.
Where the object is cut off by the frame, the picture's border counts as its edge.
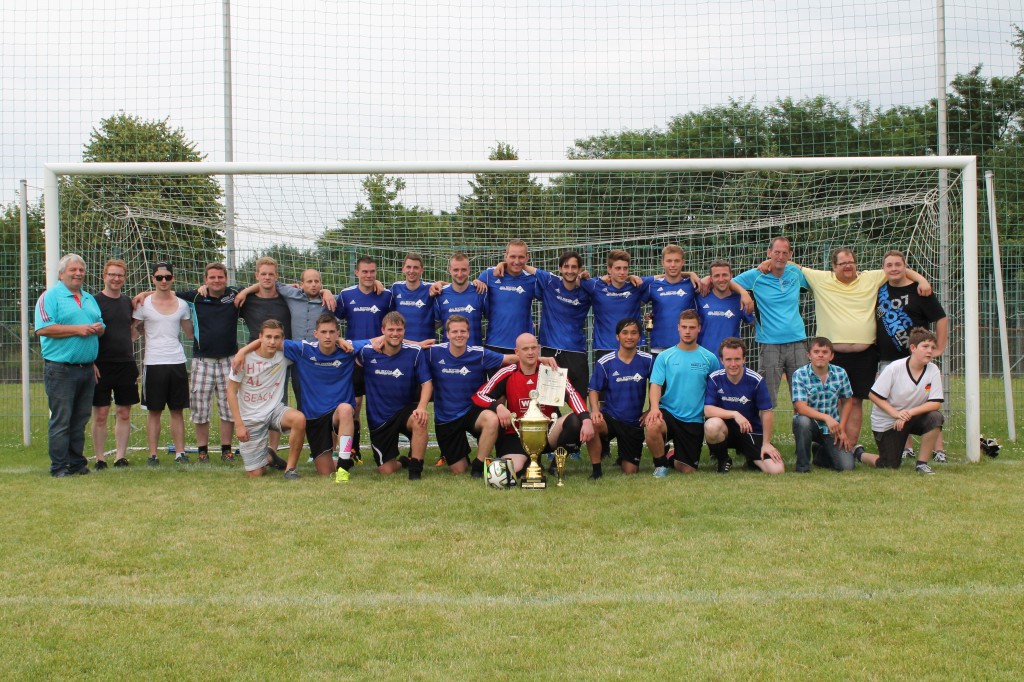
(501, 474)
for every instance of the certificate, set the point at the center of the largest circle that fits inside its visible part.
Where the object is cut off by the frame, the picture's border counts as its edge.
(551, 385)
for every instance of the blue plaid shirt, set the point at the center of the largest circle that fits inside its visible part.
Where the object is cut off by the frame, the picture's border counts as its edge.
(823, 396)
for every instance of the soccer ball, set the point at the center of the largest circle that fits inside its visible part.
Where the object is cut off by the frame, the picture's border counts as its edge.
(501, 474)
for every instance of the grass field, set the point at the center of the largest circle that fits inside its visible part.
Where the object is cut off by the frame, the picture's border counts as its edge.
(196, 572)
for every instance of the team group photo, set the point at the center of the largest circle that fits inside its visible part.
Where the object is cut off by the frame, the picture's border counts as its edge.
(591, 340)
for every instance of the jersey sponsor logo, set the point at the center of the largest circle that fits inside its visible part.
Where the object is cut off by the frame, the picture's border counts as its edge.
(570, 301)
(365, 309)
(415, 304)
(673, 292)
(451, 370)
(742, 400)
(720, 313)
(616, 294)
(463, 309)
(635, 377)
(518, 290)
(395, 373)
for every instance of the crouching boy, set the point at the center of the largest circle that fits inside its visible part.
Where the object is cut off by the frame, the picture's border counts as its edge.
(255, 391)
(907, 397)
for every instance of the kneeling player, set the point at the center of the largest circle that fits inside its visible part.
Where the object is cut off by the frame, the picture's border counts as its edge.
(622, 378)
(907, 397)
(398, 388)
(254, 394)
(739, 413)
(457, 370)
(514, 383)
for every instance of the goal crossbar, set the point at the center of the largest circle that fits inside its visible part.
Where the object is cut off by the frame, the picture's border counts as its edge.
(966, 165)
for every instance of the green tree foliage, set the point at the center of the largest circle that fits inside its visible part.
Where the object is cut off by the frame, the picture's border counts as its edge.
(174, 218)
(10, 265)
(382, 225)
(502, 206)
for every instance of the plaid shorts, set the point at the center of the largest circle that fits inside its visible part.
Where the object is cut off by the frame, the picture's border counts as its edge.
(209, 374)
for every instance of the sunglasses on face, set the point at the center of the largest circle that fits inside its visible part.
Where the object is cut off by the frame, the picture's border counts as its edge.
(163, 278)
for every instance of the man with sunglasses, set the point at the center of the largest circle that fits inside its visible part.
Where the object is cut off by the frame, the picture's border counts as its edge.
(161, 318)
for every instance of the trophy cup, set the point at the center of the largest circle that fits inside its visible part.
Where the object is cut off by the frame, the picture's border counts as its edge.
(533, 432)
(560, 455)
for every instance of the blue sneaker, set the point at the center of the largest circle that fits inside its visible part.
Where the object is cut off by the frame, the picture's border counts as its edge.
(660, 472)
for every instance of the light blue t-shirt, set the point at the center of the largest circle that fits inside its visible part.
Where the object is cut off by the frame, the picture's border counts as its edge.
(683, 376)
(778, 304)
(59, 306)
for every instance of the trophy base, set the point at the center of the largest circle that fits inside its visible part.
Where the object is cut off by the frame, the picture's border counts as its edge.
(534, 478)
(529, 484)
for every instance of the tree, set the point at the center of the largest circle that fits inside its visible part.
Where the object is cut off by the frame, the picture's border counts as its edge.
(143, 219)
(503, 206)
(384, 227)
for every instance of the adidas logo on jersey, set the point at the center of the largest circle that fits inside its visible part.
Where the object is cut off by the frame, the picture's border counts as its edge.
(615, 373)
(529, 382)
(441, 361)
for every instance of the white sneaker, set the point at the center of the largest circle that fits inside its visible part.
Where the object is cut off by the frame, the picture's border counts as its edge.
(660, 472)
(908, 453)
(940, 457)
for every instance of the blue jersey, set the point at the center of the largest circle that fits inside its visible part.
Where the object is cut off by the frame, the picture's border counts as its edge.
(469, 304)
(325, 381)
(748, 397)
(611, 305)
(563, 318)
(456, 379)
(392, 381)
(364, 312)
(683, 376)
(624, 385)
(667, 302)
(509, 305)
(417, 309)
(778, 303)
(719, 319)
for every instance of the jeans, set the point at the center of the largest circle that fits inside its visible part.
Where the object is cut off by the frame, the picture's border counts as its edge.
(807, 431)
(69, 391)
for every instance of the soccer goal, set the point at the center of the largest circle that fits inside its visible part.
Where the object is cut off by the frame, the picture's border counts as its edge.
(327, 214)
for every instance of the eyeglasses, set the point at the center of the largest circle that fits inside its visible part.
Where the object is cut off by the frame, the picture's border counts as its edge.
(163, 278)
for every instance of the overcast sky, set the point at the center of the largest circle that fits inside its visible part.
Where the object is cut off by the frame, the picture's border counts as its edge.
(397, 80)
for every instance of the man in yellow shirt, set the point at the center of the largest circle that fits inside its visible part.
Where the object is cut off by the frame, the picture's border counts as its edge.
(844, 307)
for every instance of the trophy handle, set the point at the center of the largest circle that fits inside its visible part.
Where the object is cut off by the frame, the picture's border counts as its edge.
(512, 419)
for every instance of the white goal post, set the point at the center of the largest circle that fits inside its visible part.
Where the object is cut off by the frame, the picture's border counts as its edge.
(964, 165)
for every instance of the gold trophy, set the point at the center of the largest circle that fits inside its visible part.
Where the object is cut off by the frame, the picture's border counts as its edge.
(560, 455)
(533, 432)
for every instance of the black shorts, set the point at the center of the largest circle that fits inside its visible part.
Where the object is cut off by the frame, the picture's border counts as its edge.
(686, 437)
(891, 443)
(746, 444)
(861, 367)
(630, 439)
(119, 378)
(451, 436)
(508, 444)
(576, 363)
(165, 386)
(358, 382)
(320, 434)
(384, 438)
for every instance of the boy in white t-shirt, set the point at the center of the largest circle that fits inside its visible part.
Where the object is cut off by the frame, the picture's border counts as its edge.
(254, 393)
(907, 397)
(161, 318)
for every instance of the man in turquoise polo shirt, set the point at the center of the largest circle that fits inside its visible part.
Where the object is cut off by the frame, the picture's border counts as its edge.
(780, 329)
(69, 324)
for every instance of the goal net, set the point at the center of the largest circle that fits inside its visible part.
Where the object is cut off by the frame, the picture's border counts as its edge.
(326, 216)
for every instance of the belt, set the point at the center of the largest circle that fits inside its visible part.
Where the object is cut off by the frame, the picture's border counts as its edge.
(70, 364)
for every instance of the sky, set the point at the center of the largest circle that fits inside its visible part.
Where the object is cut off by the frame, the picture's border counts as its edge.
(409, 80)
